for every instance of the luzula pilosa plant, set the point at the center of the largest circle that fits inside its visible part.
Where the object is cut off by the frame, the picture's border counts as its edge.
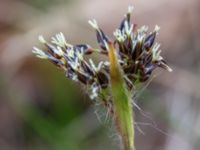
(132, 56)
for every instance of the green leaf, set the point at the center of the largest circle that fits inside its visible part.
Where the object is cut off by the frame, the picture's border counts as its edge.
(121, 101)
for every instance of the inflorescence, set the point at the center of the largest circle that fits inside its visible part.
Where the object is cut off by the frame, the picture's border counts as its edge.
(137, 52)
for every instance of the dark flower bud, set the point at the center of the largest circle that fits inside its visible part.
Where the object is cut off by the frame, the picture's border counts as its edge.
(149, 68)
(103, 79)
(87, 68)
(84, 47)
(102, 39)
(149, 40)
(83, 77)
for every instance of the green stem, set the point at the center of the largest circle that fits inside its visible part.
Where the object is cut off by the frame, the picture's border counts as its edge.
(121, 102)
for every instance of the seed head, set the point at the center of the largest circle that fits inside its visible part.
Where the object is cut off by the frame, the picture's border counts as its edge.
(137, 52)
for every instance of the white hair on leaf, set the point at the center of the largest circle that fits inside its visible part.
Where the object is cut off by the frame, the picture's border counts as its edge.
(94, 24)
(39, 53)
(41, 39)
(130, 9)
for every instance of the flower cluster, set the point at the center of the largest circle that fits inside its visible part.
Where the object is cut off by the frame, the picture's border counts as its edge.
(138, 56)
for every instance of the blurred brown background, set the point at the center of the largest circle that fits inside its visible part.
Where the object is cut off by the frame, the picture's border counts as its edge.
(40, 109)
